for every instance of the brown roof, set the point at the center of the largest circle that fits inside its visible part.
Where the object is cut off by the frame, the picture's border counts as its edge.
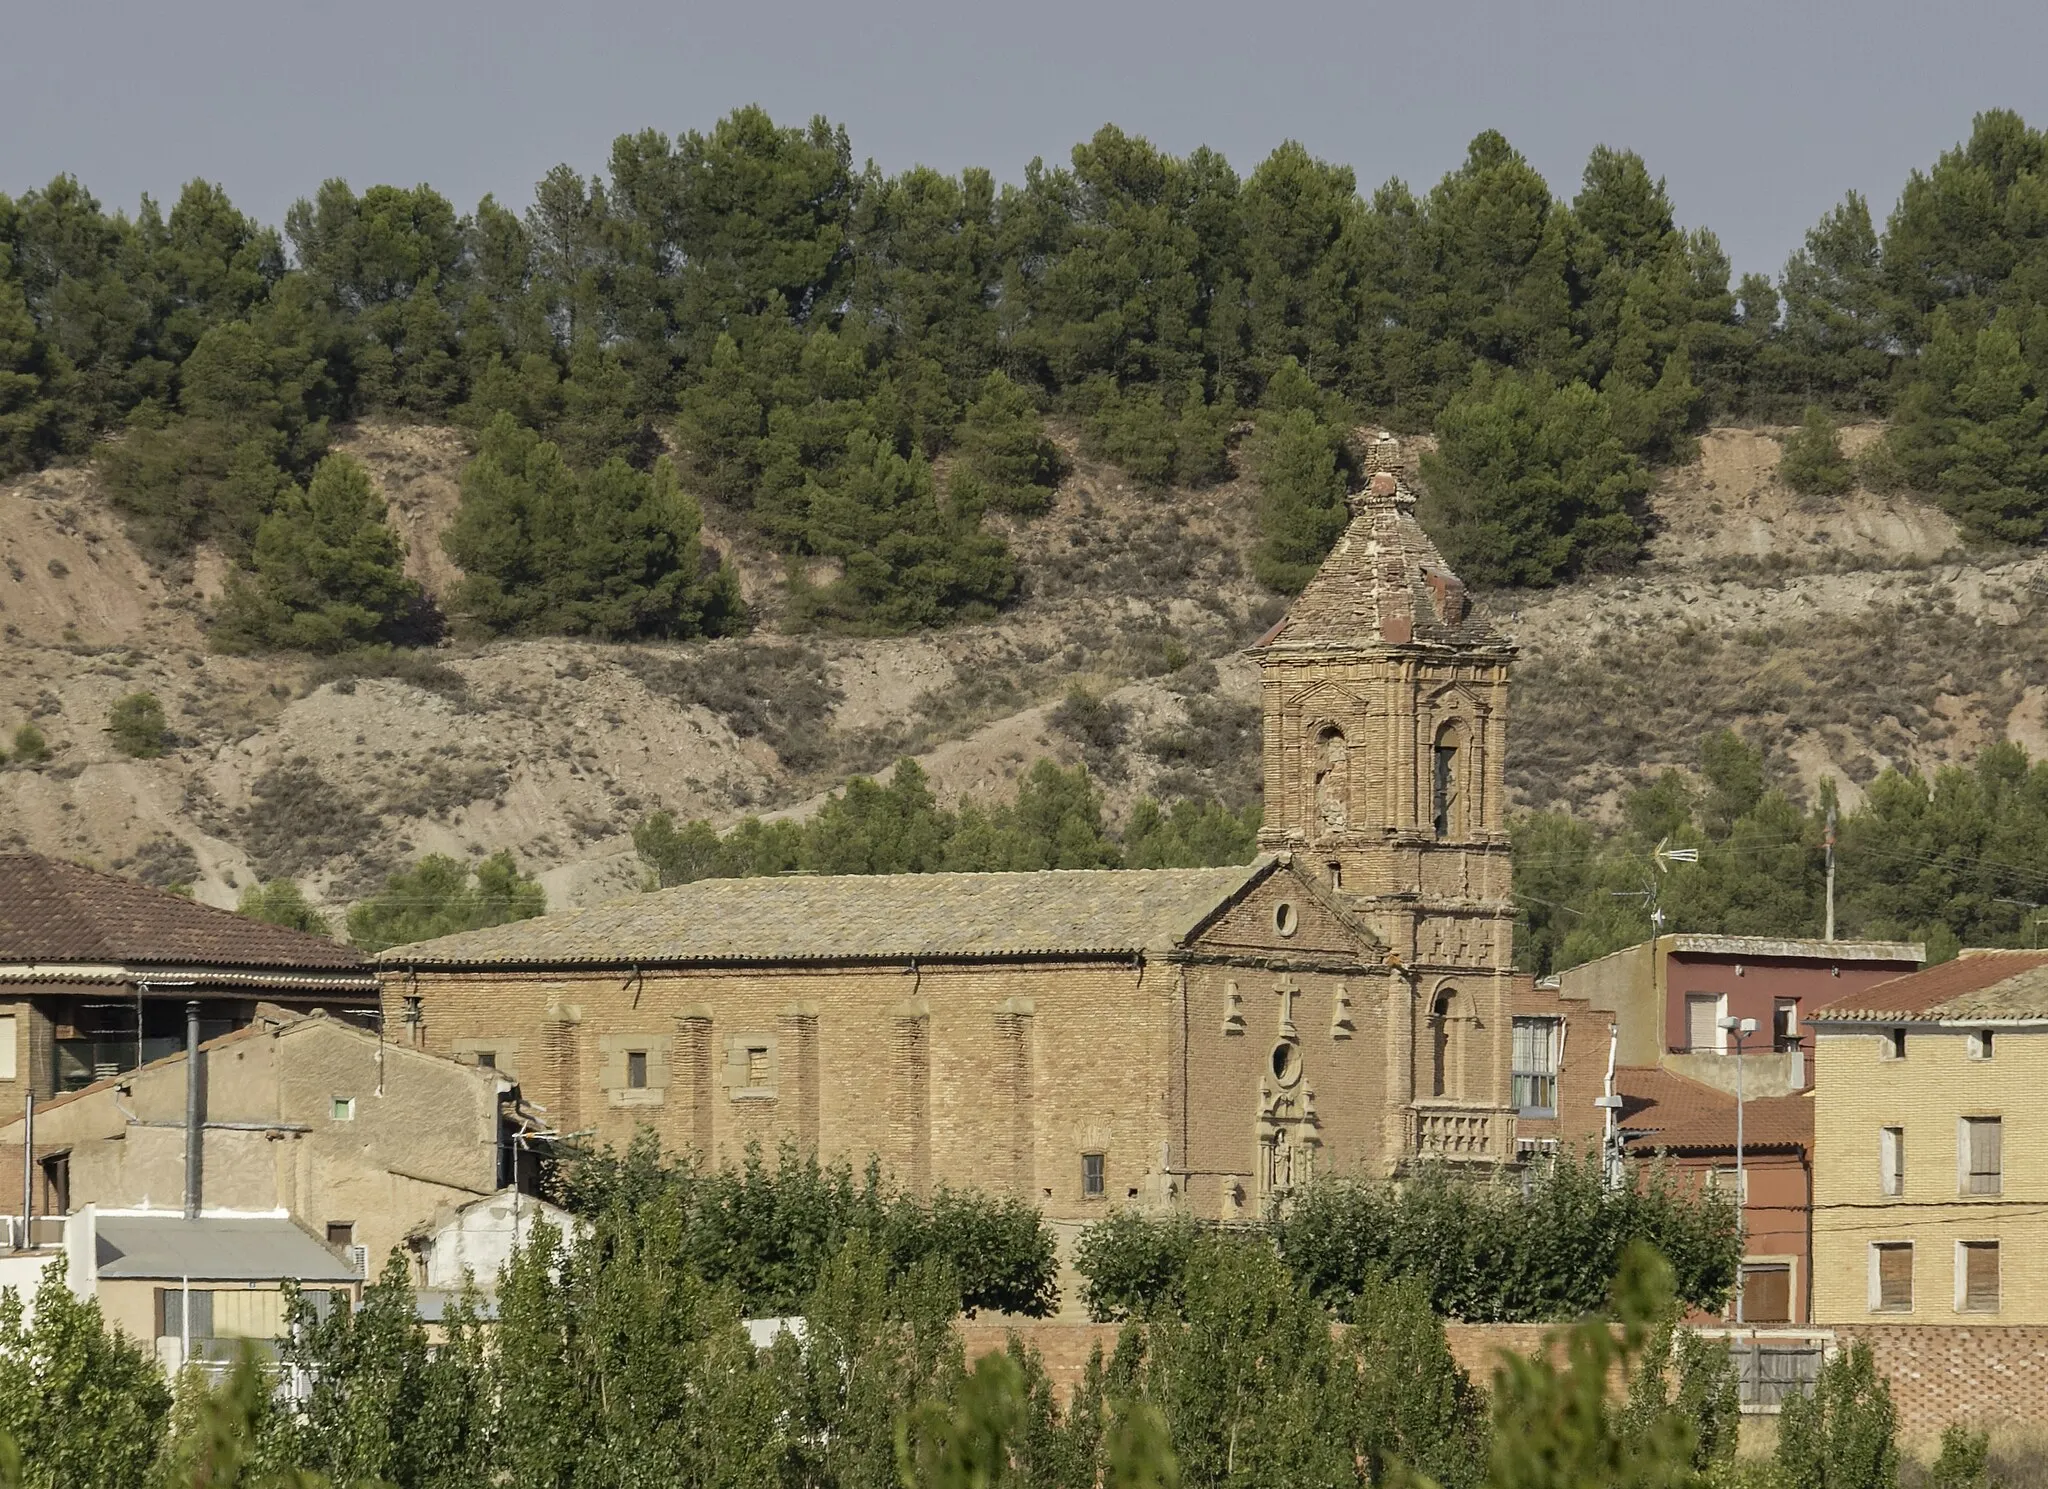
(1977, 984)
(1663, 1110)
(57, 912)
(1384, 584)
(853, 917)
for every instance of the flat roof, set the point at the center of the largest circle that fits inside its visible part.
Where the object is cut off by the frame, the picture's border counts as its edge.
(214, 1249)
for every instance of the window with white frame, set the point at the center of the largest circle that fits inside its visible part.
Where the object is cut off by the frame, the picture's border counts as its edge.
(1703, 1031)
(1730, 1181)
(1891, 1161)
(1535, 1065)
(1980, 1155)
(1980, 1041)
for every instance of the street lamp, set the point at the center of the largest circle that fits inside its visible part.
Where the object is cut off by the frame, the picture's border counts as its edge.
(1741, 1029)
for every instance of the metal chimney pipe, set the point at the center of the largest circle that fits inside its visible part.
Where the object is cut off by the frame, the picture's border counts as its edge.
(192, 1110)
(28, 1173)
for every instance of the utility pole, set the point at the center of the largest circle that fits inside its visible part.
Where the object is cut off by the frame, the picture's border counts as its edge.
(1829, 933)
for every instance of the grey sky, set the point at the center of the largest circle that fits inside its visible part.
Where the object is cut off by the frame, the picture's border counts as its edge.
(1759, 114)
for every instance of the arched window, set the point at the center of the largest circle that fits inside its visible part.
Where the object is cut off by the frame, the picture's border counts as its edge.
(1443, 1043)
(1331, 806)
(1446, 782)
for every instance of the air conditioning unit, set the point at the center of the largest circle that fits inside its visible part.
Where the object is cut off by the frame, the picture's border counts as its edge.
(359, 1258)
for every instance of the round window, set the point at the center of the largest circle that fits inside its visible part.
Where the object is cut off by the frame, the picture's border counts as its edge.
(1286, 1062)
(1284, 919)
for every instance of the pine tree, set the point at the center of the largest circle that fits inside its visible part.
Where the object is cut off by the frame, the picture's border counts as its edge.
(436, 897)
(1836, 346)
(28, 415)
(1529, 483)
(1973, 429)
(1003, 446)
(328, 570)
(1812, 462)
(1302, 485)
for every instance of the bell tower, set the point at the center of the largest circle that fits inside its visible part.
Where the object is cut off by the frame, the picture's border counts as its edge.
(1385, 697)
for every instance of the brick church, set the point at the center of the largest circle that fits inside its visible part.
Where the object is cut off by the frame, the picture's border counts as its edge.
(1211, 1038)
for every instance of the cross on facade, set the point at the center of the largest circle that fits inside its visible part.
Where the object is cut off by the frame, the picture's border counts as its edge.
(1288, 990)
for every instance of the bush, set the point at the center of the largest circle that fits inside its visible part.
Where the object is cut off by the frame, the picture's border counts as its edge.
(419, 669)
(136, 725)
(30, 748)
(1812, 462)
(298, 821)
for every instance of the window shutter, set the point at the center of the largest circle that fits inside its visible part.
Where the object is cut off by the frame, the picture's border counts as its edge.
(1767, 1295)
(1700, 1030)
(1980, 1275)
(1986, 1154)
(1895, 1276)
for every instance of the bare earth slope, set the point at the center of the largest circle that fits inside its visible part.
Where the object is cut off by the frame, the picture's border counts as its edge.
(1846, 636)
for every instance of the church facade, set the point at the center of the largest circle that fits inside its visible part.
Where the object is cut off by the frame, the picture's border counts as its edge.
(1203, 1038)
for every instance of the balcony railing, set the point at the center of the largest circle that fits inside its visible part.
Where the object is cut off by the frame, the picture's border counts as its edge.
(1463, 1134)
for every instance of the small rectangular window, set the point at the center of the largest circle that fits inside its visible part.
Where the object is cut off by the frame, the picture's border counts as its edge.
(487, 1059)
(1891, 1160)
(1980, 1044)
(636, 1070)
(1094, 1176)
(341, 1233)
(1730, 1181)
(344, 1109)
(758, 1073)
(1982, 1156)
(1895, 1044)
(1979, 1276)
(172, 1307)
(1893, 1263)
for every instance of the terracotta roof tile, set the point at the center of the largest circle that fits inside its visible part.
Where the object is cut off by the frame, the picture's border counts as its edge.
(1977, 984)
(1669, 1111)
(851, 917)
(54, 912)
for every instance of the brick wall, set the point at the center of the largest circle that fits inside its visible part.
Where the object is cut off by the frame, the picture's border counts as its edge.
(1946, 1373)
(1860, 1090)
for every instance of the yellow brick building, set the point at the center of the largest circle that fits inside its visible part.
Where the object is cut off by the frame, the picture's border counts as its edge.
(1930, 1183)
(1206, 1037)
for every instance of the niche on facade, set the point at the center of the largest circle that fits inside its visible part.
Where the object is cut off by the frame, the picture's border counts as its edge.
(1449, 1017)
(1330, 798)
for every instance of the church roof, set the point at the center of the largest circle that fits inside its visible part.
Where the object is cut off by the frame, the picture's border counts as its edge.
(1384, 584)
(854, 917)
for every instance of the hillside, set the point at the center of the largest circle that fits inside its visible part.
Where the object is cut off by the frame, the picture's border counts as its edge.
(1849, 634)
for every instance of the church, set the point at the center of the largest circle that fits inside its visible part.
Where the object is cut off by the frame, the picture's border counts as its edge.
(1209, 1039)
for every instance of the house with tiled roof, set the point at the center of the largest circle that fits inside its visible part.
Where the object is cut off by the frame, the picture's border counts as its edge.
(96, 971)
(1931, 1146)
(1760, 1156)
(1204, 1038)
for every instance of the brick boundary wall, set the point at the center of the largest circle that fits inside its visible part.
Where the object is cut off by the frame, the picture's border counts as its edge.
(1064, 1346)
(1984, 1376)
